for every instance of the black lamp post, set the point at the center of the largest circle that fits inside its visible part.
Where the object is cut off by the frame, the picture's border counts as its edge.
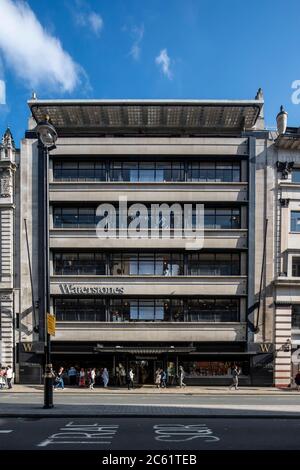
(47, 137)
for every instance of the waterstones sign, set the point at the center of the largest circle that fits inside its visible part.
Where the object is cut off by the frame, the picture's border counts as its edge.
(90, 290)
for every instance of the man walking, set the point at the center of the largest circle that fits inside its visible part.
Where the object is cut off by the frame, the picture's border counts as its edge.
(235, 378)
(130, 378)
(9, 376)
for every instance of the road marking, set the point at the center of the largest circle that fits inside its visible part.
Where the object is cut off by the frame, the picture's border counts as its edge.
(82, 434)
(6, 431)
(182, 433)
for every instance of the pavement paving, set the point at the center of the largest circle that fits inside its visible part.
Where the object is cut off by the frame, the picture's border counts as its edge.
(150, 389)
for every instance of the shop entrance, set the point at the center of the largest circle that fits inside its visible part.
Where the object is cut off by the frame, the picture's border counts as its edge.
(144, 369)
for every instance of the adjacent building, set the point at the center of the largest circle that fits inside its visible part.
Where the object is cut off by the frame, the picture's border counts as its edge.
(9, 160)
(285, 159)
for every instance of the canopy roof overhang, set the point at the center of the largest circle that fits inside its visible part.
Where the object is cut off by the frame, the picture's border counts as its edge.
(290, 139)
(147, 117)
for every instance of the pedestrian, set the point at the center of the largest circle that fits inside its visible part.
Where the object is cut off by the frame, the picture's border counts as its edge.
(297, 381)
(59, 381)
(163, 379)
(235, 378)
(122, 374)
(181, 377)
(130, 379)
(157, 378)
(2, 378)
(9, 376)
(72, 374)
(82, 377)
(105, 377)
(93, 378)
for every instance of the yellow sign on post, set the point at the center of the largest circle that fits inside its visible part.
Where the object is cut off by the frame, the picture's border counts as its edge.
(51, 323)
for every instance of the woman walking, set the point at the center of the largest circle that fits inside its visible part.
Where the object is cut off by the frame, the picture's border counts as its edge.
(181, 377)
(59, 380)
(157, 378)
(93, 378)
(105, 377)
(82, 377)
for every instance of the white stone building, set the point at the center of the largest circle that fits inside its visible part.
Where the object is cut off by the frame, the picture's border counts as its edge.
(9, 159)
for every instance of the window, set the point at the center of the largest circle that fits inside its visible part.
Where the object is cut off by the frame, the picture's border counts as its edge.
(213, 310)
(195, 369)
(83, 309)
(147, 171)
(75, 217)
(296, 176)
(79, 263)
(214, 218)
(228, 218)
(296, 267)
(143, 264)
(295, 221)
(81, 170)
(139, 310)
(214, 264)
(213, 171)
(296, 316)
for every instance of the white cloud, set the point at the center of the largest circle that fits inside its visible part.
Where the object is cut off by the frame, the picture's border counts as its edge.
(35, 56)
(84, 16)
(2, 92)
(138, 34)
(96, 22)
(164, 61)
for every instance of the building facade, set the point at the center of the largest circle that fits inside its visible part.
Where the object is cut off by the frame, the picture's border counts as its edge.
(9, 159)
(146, 302)
(285, 161)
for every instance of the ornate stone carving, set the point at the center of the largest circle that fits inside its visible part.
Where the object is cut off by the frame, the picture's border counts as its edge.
(5, 298)
(6, 183)
(284, 202)
(7, 146)
(285, 168)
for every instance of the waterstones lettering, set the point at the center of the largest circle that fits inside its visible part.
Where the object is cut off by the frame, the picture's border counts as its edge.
(88, 290)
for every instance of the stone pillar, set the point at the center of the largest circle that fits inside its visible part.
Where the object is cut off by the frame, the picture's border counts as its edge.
(282, 365)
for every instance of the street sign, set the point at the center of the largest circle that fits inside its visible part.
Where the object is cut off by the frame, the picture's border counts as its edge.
(51, 323)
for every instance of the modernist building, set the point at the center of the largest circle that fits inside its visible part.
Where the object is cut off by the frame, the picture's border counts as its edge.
(9, 157)
(149, 302)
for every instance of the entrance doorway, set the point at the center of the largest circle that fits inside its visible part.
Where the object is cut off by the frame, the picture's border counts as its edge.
(144, 370)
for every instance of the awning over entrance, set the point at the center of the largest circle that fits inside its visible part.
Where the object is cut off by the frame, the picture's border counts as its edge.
(145, 350)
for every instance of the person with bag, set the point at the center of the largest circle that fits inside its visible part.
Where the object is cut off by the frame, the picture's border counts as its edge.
(235, 378)
(59, 381)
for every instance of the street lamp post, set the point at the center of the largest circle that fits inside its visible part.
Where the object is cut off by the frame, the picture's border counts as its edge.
(47, 137)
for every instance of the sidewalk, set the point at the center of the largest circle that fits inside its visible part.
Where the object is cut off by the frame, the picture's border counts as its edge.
(151, 389)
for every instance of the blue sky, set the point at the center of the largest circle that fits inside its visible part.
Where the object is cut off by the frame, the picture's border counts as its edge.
(197, 49)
